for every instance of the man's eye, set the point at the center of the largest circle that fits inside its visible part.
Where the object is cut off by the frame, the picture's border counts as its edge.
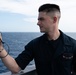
(41, 19)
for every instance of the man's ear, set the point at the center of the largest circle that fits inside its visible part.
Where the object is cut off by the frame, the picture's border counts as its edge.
(54, 19)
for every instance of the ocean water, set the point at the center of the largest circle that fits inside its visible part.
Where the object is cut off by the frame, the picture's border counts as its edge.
(16, 42)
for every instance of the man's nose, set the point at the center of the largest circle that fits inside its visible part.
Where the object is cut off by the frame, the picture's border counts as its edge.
(38, 23)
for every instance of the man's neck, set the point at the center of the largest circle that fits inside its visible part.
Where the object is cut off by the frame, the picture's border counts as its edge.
(53, 35)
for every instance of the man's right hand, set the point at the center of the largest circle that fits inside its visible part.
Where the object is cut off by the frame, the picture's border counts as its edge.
(1, 45)
(0, 37)
(0, 41)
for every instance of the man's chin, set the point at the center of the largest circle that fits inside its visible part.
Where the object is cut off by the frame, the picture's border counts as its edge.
(42, 31)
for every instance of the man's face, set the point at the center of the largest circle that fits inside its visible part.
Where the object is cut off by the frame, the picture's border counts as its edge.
(45, 22)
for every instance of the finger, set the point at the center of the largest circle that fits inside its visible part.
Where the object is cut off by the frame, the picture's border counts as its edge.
(0, 36)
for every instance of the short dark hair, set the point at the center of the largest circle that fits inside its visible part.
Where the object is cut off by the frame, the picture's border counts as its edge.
(49, 8)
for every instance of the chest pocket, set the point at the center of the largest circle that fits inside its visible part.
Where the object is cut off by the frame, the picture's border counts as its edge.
(66, 59)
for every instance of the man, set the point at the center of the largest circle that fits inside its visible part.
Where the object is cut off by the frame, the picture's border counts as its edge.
(54, 52)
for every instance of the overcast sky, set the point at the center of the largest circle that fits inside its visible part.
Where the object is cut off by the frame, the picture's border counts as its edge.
(21, 15)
